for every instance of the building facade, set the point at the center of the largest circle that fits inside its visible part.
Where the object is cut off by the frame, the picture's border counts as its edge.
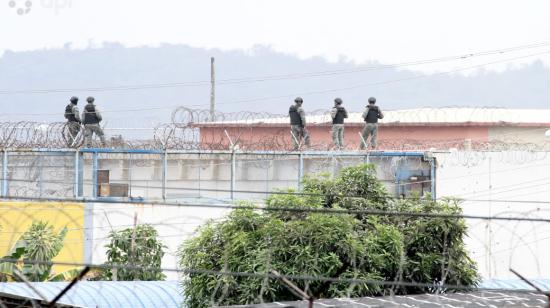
(412, 129)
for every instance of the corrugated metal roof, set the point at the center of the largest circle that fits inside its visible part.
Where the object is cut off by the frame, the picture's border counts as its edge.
(165, 293)
(12, 300)
(452, 300)
(106, 293)
(427, 115)
(506, 294)
(515, 284)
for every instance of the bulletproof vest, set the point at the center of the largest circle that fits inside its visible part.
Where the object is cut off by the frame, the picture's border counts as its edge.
(69, 114)
(90, 117)
(295, 118)
(340, 115)
(373, 115)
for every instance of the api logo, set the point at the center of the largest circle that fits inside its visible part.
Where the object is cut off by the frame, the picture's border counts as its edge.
(22, 7)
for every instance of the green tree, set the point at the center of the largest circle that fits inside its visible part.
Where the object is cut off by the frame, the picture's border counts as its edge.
(367, 248)
(32, 253)
(136, 247)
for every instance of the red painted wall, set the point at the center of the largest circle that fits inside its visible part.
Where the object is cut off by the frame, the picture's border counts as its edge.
(392, 137)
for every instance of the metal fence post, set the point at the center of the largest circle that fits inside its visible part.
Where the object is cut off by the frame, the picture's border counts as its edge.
(40, 174)
(76, 174)
(5, 174)
(95, 166)
(164, 174)
(333, 165)
(80, 174)
(233, 175)
(130, 163)
(300, 170)
(433, 176)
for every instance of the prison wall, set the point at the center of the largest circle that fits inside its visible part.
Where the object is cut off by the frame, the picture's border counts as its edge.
(490, 184)
(390, 136)
(501, 184)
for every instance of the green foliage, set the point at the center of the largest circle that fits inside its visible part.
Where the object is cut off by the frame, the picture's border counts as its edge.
(135, 247)
(38, 244)
(428, 250)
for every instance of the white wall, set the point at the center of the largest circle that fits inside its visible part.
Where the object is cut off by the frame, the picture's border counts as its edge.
(173, 223)
(477, 177)
(486, 179)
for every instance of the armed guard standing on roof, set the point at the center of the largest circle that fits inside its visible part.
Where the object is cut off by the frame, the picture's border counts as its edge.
(338, 114)
(371, 115)
(73, 121)
(92, 118)
(298, 123)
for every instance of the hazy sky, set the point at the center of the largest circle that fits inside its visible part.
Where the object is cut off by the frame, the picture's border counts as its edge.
(390, 31)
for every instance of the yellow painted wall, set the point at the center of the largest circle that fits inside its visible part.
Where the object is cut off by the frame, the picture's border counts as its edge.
(17, 217)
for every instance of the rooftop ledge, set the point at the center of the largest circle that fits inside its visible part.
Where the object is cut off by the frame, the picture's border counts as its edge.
(382, 124)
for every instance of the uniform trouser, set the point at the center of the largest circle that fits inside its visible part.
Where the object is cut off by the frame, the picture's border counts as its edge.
(89, 130)
(338, 135)
(299, 133)
(372, 130)
(74, 129)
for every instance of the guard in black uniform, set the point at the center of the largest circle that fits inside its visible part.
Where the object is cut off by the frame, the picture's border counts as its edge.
(371, 116)
(298, 124)
(73, 120)
(92, 118)
(338, 114)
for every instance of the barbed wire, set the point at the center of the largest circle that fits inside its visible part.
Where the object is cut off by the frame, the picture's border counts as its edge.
(31, 134)
(195, 129)
(37, 174)
(181, 226)
(389, 283)
(481, 196)
(333, 211)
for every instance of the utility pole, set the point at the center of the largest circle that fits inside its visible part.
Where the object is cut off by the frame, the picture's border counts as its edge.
(212, 91)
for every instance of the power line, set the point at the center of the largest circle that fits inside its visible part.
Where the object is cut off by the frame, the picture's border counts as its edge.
(280, 76)
(305, 93)
(149, 86)
(334, 211)
(341, 89)
(307, 194)
(281, 192)
(382, 82)
(193, 271)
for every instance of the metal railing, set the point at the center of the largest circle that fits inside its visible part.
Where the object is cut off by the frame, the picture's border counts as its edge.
(173, 174)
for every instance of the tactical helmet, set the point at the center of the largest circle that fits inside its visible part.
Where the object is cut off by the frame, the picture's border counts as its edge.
(338, 101)
(74, 99)
(298, 100)
(90, 99)
(372, 100)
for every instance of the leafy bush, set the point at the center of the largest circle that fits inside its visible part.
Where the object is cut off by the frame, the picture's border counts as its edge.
(135, 247)
(38, 244)
(367, 248)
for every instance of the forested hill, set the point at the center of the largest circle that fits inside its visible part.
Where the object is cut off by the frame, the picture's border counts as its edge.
(150, 81)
